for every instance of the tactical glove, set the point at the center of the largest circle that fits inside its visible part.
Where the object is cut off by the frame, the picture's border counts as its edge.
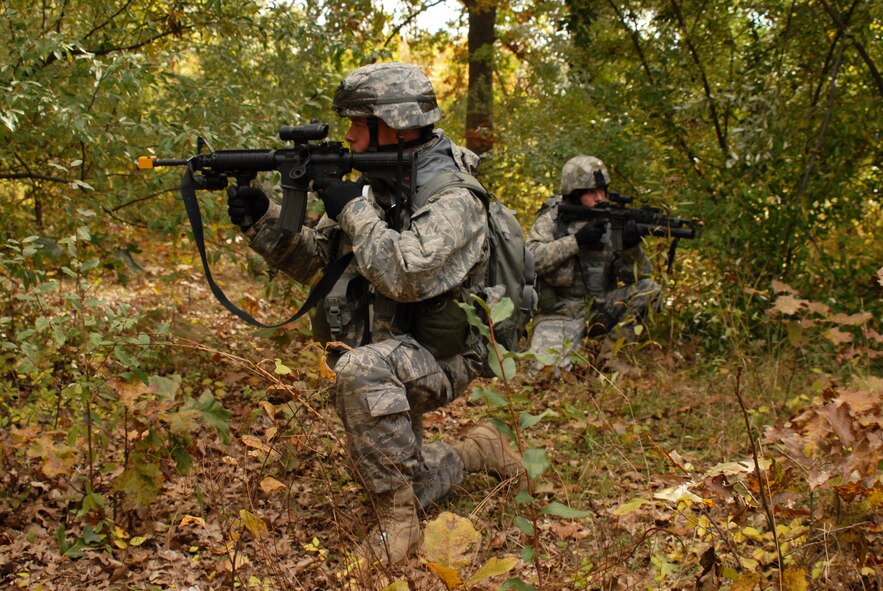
(246, 205)
(589, 236)
(630, 235)
(336, 194)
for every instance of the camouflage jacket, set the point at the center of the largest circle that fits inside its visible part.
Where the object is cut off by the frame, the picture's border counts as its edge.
(442, 246)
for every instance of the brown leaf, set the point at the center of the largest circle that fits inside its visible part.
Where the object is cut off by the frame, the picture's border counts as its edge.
(780, 287)
(837, 336)
(838, 416)
(271, 485)
(860, 402)
(788, 305)
(851, 319)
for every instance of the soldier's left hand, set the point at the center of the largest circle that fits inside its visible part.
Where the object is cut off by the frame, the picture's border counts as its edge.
(336, 194)
(631, 236)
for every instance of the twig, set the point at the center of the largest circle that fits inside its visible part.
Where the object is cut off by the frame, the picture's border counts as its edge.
(771, 520)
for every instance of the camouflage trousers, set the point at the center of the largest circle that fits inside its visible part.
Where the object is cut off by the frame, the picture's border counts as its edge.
(383, 390)
(557, 337)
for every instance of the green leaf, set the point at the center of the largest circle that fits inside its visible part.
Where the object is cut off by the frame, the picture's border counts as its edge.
(507, 370)
(140, 482)
(535, 462)
(492, 568)
(561, 510)
(212, 412)
(523, 498)
(474, 319)
(524, 525)
(516, 583)
(502, 310)
(527, 420)
(490, 396)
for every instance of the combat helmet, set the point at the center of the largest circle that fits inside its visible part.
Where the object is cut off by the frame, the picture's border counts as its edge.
(398, 94)
(582, 173)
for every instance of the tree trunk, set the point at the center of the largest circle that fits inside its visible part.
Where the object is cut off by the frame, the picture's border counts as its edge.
(480, 100)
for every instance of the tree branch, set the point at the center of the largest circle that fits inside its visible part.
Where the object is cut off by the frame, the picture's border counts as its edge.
(721, 139)
(395, 31)
(639, 49)
(844, 29)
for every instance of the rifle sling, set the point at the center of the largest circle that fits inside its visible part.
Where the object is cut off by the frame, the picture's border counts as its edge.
(319, 291)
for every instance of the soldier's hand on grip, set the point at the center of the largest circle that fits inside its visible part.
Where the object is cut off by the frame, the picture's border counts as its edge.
(246, 205)
(336, 194)
(589, 236)
(631, 236)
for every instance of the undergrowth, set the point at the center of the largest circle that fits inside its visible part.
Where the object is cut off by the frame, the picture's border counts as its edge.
(170, 446)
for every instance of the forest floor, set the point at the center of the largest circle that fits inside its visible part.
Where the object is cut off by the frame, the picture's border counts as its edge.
(657, 470)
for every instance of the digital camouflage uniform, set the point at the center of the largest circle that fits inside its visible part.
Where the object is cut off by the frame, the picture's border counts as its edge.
(584, 291)
(401, 281)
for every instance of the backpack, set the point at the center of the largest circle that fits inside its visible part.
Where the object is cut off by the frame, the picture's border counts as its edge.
(510, 265)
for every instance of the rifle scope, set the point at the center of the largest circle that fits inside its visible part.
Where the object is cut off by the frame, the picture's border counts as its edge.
(301, 134)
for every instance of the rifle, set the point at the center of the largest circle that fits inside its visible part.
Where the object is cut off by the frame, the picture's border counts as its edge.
(298, 165)
(650, 221)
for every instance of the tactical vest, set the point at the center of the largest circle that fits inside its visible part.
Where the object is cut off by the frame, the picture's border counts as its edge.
(595, 269)
(355, 314)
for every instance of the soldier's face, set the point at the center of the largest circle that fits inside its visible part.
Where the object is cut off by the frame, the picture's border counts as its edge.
(593, 197)
(359, 136)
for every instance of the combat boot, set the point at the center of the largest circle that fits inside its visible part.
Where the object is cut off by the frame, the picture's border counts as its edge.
(398, 534)
(484, 449)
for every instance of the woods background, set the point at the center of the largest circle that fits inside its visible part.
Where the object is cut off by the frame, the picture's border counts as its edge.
(763, 118)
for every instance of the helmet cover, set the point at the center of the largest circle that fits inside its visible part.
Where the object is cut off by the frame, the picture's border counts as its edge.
(398, 94)
(583, 173)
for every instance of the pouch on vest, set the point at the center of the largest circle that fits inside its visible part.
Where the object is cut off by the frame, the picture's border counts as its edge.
(346, 310)
(440, 326)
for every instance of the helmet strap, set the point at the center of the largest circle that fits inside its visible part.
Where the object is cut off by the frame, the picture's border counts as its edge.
(599, 179)
(373, 134)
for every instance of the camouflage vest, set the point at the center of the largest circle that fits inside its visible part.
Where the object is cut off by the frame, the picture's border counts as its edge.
(595, 270)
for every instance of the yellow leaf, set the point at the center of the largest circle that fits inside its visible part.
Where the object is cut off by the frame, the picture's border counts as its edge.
(271, 485)
(752, 533)
(188, 519)
(281, 369)
(268, 408)
(326, 372)
(398, 586)
(492, 568)
(255, 442)
(746, 582)
(449, 576)
(137, 541)
(253, 523)
(794, 579)
(629, 507)
(449, 540)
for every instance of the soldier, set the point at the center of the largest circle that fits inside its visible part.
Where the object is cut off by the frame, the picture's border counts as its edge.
(585, 286)
(412, 350)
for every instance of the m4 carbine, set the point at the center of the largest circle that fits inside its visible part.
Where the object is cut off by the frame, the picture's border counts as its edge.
(650, 221)
(298, 166)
